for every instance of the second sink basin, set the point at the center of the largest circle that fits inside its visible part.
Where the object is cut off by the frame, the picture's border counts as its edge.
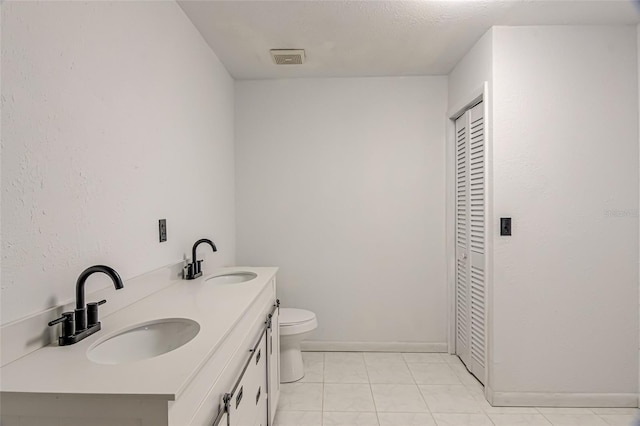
(144, 341)
(232, 278)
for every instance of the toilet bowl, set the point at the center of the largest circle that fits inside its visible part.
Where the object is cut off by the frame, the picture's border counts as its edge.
(295, 325)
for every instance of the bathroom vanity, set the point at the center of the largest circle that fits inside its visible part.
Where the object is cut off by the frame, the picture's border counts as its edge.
(199, 352)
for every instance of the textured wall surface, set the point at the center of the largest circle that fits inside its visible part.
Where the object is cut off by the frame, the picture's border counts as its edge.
(340, 182)
(114, 115)
(566, 170)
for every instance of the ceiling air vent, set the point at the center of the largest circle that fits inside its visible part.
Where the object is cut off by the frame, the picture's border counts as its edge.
(287, 56)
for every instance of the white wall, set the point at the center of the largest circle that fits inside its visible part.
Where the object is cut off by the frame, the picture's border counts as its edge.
(565, 141)
(471, 72)
(114, 115)
(340, 182)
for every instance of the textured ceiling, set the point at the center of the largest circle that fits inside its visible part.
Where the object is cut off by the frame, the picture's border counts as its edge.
(375, 37)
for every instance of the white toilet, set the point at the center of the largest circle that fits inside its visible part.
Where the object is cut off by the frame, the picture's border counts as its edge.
(295, 325)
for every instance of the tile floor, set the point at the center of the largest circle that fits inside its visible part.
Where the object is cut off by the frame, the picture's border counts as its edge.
(411, 389)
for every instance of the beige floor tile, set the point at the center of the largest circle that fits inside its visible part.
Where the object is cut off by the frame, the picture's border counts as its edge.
(406, 419)
(398, 398)
(519, 420)
(348, 397)
(298, 418)
(424, 357)
(449, 399)
(457, 419)
(345, 373)
(434, 374)
(392, 373)
(300, 397)
(383, 358)
(632, 411)
(620, 419)
(575, 420)
(349, 419)
(313, 367)
(343, 357)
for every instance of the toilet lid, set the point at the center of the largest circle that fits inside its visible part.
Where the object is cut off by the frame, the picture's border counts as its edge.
(291, 316)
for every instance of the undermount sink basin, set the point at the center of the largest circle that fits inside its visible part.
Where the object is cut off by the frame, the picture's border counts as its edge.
(144, 341)
(232, 278)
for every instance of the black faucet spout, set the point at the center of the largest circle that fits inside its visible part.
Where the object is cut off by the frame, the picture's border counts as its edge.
(197, 243)
(115, 277)
(194, 269)
(81, 310)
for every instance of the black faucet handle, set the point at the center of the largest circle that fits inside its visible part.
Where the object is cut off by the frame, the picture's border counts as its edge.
(192, 270)
(68, 323)
(187, 271)
(65, 317)
(92, 312)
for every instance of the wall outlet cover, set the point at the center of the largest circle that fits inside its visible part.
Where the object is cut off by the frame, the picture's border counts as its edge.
(505, 226)
(162, 228)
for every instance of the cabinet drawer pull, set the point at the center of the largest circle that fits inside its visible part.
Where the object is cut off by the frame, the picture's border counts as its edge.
(258, 395)
(239, 397)
(258, 356)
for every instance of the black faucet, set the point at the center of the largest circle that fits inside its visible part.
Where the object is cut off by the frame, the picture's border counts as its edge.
(194, 269)
(83, 322)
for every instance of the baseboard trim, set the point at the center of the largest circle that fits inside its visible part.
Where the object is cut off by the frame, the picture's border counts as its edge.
(543, 399)
(332, 346)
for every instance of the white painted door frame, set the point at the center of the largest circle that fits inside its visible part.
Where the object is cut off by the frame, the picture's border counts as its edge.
(480, 94)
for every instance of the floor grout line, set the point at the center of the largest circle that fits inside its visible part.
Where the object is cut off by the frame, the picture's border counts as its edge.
(375, 407)
(323, 368)
(545, 417)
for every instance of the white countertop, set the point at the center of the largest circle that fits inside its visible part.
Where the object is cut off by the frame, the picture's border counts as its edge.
(67, 370)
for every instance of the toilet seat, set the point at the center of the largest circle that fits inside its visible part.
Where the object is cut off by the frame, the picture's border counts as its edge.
(296, 321)
(290, 316)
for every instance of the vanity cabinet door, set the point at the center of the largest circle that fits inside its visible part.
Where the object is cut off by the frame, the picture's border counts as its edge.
(259, 390)
(262, 417)
(273, 369)
(241, 410)
(251, 390)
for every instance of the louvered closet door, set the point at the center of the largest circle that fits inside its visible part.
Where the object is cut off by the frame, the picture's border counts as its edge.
(470, 241)
(463, 349)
